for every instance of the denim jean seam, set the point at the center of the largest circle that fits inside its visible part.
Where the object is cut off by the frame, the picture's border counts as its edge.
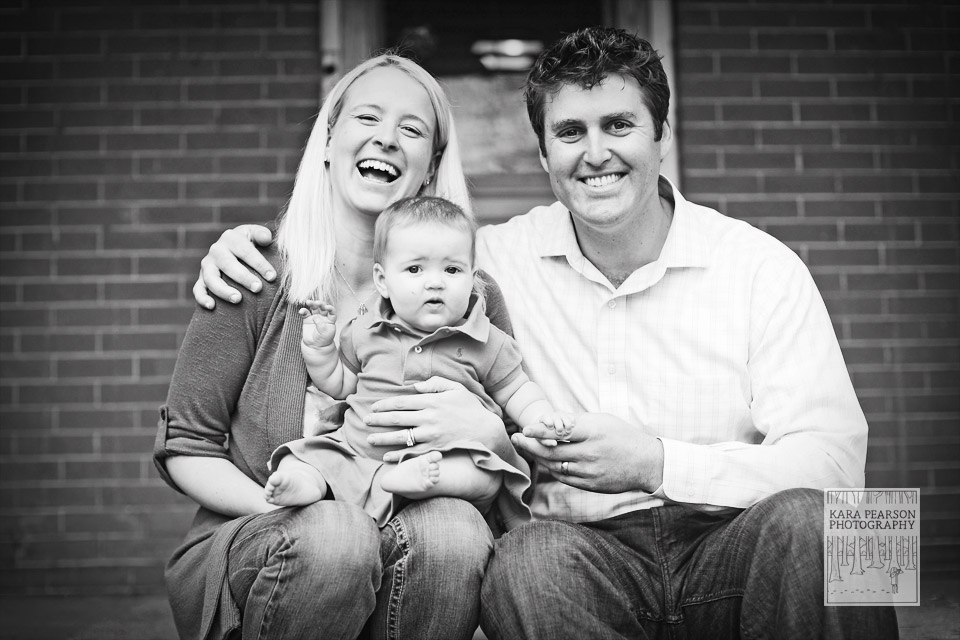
(276, 585)
(615, 558)
(396, 588)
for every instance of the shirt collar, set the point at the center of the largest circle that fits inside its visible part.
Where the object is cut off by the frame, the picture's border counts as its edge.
(477, 325)
(685, 246)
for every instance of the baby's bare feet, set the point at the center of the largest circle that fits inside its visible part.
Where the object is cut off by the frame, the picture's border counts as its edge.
(413, 477)
(291, 488)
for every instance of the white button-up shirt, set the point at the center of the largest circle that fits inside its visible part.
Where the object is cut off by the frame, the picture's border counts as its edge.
(722, 348)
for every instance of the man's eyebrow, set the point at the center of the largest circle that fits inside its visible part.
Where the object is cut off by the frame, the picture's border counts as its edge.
(620, 115)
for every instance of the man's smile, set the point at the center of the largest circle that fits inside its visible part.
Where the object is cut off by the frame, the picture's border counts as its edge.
(603, 181)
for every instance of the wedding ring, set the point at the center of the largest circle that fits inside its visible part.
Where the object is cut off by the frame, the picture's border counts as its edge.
(564, 467)
(410, 439)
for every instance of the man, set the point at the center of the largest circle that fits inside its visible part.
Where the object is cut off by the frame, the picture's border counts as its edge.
(711, 396)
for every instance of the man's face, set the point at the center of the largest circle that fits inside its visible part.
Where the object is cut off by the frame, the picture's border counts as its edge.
(601, 154)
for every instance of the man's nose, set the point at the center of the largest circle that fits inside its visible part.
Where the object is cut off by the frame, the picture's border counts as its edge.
(597, 151)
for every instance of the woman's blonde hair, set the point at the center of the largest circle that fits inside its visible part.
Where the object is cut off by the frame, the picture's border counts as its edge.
(305, 235)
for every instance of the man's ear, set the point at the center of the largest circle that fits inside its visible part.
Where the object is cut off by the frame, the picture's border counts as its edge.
(380, 280)
(543, 162)
(666, 140)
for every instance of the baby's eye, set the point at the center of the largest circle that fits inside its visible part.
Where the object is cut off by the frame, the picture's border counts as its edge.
(414, 268)
(453, 270)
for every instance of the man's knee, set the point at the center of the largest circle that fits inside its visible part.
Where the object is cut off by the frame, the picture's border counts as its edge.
(792, 520)
(537, 553)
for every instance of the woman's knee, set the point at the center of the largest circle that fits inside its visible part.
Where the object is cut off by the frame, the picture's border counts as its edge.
(446, 531)
(334, 540)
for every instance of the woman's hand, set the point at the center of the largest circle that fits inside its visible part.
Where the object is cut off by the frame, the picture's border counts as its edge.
(224, 257)
(603, 454)
(444, 411)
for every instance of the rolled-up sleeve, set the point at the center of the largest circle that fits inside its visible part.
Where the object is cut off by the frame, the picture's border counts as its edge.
(213, 366)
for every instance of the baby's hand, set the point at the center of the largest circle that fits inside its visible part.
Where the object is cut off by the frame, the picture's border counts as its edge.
(562, 425)
(319, 324)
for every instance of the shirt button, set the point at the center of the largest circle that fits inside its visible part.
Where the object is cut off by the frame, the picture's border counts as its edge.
(612, 304)
(418, 348)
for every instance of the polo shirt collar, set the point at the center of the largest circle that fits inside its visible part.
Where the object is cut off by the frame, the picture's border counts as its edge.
(380, 314)
(685, 246)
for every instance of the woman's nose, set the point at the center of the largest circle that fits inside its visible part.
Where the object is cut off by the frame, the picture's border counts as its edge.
(385, 137)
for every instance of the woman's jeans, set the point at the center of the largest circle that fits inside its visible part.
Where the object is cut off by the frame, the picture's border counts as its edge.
(673, 572)
(324, 571)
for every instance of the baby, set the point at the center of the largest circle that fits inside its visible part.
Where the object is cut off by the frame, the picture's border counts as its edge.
(428, 320)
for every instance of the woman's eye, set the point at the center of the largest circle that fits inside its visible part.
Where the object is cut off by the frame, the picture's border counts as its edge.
(411, 131)
(366, 118)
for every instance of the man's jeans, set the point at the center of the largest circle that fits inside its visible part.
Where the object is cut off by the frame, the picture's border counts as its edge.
(322, 570)
(673, 572)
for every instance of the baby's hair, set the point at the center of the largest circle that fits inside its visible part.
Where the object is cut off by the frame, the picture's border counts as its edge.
(420, 210)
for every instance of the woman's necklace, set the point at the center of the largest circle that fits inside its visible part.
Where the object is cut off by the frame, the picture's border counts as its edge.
(362, 309)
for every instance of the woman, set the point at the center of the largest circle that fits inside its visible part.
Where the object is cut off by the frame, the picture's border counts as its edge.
(240, 389)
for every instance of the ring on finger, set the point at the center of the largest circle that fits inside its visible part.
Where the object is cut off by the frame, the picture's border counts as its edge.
(410, 439)
(565, 467)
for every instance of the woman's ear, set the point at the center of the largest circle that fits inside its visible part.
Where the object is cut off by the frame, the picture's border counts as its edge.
(431, 176)
(380, 281)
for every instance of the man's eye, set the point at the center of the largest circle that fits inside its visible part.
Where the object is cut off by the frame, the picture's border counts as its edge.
(569, 134)
(619, 126)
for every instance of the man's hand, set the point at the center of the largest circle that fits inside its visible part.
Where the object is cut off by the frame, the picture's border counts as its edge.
(603, 454)
(224, 257)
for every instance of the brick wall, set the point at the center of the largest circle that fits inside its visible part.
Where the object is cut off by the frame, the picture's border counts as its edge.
(132, 133)
(834, 126)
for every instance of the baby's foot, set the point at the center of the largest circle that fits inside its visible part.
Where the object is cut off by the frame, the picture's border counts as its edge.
(292, 489)
(413, 477)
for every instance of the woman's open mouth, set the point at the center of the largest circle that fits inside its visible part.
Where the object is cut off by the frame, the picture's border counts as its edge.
(378, 171)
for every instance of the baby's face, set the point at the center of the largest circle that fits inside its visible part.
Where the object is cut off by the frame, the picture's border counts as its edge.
(427, 275)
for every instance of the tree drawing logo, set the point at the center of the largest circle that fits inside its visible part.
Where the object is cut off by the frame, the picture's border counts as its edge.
(871, 547)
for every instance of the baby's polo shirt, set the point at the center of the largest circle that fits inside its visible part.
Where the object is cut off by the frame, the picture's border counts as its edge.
(388, 359)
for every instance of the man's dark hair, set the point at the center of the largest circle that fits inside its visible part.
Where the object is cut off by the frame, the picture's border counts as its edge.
(586, 58)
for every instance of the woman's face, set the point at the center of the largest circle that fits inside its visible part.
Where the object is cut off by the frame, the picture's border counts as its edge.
(381, 147)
